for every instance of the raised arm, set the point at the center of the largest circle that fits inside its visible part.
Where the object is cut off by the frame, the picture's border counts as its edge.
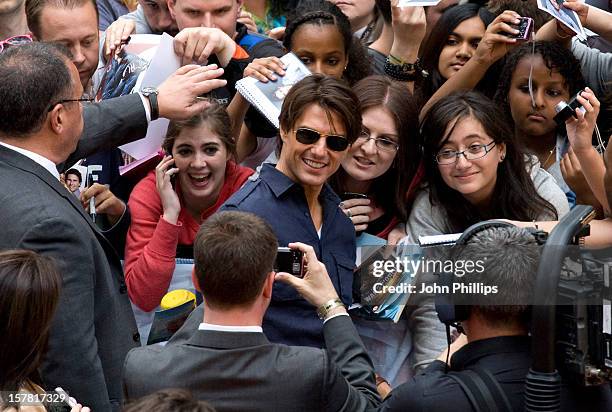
(579, 133)
(491, 48)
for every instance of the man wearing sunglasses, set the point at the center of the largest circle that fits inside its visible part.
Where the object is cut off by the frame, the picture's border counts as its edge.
(41, 130)
(318, 123)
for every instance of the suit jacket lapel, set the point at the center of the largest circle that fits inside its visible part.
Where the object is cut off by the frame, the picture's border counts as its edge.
(26, 164)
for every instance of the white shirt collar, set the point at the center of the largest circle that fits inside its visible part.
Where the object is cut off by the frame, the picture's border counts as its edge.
(41, 160)
(223, 328)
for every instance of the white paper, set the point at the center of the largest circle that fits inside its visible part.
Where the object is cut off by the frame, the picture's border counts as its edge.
(414, 3)
(268, 97)
(565, 16)
(164, 63)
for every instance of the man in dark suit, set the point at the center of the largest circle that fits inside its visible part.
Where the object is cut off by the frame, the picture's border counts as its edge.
(228, 361)
(41, 123)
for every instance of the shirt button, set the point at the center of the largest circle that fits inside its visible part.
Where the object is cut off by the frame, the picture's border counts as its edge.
(136, 337)
(306, 214)
(123, 289)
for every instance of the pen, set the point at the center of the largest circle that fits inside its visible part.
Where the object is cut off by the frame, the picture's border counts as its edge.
(92, 200)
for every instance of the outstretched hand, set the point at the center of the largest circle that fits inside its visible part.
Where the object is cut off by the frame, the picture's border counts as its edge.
(178, 97)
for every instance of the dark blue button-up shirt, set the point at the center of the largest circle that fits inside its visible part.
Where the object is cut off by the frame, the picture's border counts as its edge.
(282, 203)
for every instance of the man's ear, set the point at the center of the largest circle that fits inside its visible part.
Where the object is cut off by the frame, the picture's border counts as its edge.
(268, 285)
(57, 119)
(283, 134)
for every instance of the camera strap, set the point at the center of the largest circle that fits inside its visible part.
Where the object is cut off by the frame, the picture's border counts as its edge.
(482, 390)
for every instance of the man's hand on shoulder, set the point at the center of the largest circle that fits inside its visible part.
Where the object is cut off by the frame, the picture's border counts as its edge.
(197, 44)
(178, 97)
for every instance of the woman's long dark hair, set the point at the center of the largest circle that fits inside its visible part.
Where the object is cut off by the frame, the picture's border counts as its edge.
(435, 42)
(29, 293)
(322, 12)
(389, 190)
(514, 197)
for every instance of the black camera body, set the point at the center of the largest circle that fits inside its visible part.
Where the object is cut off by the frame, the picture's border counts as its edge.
(584, 339)
(290, 261)
(565, 110)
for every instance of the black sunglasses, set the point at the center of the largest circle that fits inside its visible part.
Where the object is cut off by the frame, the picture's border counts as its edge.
(335, 142)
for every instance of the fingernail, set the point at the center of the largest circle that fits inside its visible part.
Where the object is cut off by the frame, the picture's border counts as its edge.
(341, 204)
(273, 78)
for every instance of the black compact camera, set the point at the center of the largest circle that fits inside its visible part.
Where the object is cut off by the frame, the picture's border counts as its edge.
(290, 261)
(566, 110)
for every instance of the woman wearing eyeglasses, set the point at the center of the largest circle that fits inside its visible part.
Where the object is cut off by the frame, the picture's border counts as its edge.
(381, 164)
(318, 122)
(474, 171)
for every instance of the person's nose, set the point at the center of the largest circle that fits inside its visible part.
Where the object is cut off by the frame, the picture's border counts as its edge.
(198, 161)
(318, 67)
(464, 51)
(369, 146)
(208, 21)
(78, 57)
(462, 162)
(539, 98)
(319, 148)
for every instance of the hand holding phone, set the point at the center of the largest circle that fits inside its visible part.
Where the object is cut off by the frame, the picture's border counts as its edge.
(171, 204)
(524, 27)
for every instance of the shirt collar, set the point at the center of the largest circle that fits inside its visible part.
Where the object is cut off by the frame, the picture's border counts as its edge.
(223, 328)
(41, 160)
(279, 183)
(500, 345)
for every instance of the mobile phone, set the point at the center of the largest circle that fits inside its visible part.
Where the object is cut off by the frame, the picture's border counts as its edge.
(352, 195)
(172, 177)
(524, 27)
(290, 261)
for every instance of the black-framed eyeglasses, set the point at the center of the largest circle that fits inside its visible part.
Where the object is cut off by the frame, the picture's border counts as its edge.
(473, 152)
(81, 101)
(335, 142)
(381, 142)
(15, 41)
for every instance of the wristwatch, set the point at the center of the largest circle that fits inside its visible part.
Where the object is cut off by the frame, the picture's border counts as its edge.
(151, 94)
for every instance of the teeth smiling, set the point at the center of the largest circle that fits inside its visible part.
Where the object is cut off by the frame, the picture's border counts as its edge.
(313, 164)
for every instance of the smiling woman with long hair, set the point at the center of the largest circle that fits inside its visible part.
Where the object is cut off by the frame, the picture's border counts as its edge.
(475, 170)
(195, 177)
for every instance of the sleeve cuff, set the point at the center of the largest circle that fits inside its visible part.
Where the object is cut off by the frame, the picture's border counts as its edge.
(147, 109)
(335, 316)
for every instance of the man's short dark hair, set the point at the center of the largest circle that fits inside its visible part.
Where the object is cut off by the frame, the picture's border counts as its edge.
(34, 76)
(510, 259)
(74, 172)
(34, 9)
(234, 252)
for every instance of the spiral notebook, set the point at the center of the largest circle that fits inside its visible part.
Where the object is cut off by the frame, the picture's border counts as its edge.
(268, 97)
